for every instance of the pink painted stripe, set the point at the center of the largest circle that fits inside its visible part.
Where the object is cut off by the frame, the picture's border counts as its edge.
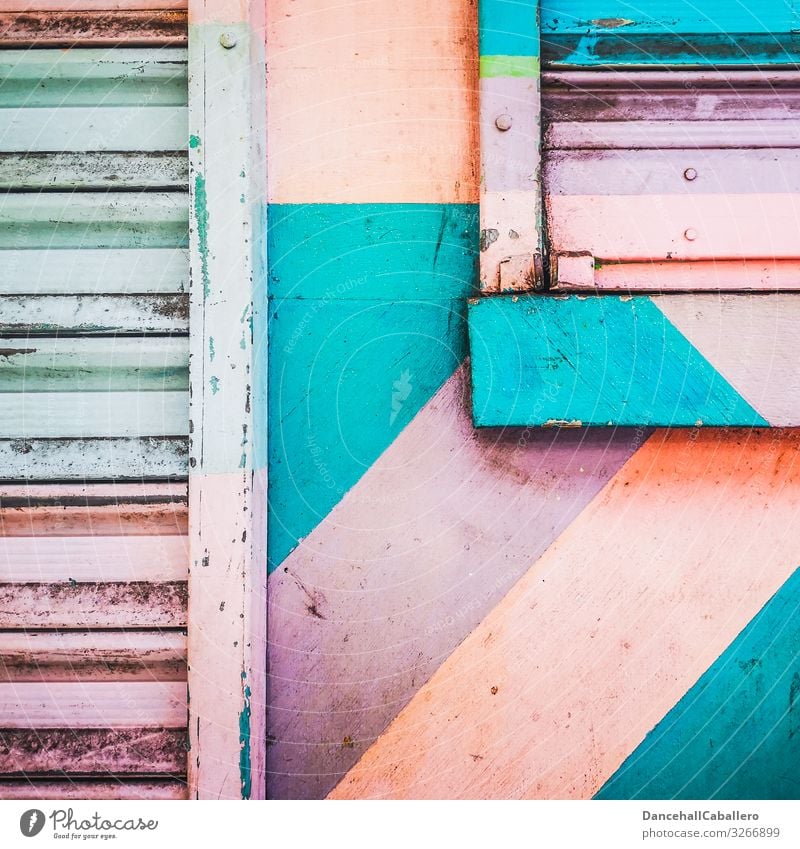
(432, 537)
(563, 679)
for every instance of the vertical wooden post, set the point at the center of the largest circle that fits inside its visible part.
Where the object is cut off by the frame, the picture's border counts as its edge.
(227, 501)
(511, 238)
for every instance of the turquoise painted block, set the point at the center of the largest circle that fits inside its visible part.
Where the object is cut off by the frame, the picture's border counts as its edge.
(608, 32)
(610, 360)
(508, 28)
(369, 251)
(345, 378)
(736, 733)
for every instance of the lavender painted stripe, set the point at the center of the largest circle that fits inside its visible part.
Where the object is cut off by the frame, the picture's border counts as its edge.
(403, 569)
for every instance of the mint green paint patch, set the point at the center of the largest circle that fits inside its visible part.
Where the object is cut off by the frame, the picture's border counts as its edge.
(245, 769)
(194, 142)
(211, 352)
(509, 66)
(214, 381)
(201, 217)
(736, 733)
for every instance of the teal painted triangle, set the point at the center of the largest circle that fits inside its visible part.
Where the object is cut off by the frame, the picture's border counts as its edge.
(736, 733)
(595, 360)
(367, 321)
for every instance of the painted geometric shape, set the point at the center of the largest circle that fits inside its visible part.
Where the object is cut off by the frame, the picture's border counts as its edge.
(610, 360)
(736, 733)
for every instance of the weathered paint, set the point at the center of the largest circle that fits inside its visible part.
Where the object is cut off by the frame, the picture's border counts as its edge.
(606, 631)
(29, 788)
(227, 510)
(734, 734)
(597, 361)
(162, 27)
(404, 567)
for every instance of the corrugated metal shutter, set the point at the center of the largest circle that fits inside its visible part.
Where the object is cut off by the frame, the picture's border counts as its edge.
(94, 404)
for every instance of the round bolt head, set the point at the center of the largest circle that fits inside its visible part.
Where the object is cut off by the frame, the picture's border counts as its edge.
(690, 234)
(227, 40)
(503, 122)
(690, 174)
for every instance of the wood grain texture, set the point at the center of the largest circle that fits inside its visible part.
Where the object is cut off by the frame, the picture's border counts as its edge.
(94, 459)
(84, 171)
(609, 360)
(90, 559)
(141, 28)
(109, 364)
(405, 130)
(65, 752)
(90, 5)
(86, 77)
(56, 656)
(227, 483)
(92, 272)
(82, 790)
(93, 705)
(565, 677)
(43, 415)
(97, 605)
(404, 567)
(51, 315)
(87, 220)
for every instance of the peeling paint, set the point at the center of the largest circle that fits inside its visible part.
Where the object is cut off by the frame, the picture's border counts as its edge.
(214, 382)
(201, 216)
(244, 742)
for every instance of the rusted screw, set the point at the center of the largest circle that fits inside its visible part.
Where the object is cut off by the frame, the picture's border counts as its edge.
(503, 122)
(227, 40)
(690, 234)
(690, 174)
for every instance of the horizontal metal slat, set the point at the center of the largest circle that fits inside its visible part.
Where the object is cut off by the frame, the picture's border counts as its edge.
(93, 171)
(93, 705)
(92, 656)
(48, 315)
(85, 752)
(46, 415)
(94, 459)
(94, 220)
(78, 364)
(83, 790)
(68, 28)
(103, 605)
(65, 271)
(91, 559)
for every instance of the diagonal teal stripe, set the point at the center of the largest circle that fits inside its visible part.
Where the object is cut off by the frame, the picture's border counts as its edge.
(736, 733)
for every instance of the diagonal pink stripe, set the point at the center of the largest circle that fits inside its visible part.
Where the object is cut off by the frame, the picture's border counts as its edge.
(400, 572)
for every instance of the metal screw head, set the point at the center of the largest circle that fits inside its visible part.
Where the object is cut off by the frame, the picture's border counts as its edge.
(690, 234)
(227, 40)
(690, 174)
(503, 122)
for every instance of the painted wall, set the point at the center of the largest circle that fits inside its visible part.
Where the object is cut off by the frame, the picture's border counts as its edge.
(494, 613)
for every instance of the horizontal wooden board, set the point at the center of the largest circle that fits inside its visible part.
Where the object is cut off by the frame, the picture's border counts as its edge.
(77, 364)
(95, 751)
(82, 171)
(94, 220)
(90, 5)
(48, 315)
(101, 28)
(674, 276)
(671, 360)
(93, 705)
(86, 271)
(47, 415)
(83, 790)
(87, 128)
(103, 77)
(102, 510)
(683, 227)
(52, 656)
(94, 459)
(104, 605)
(93, 558)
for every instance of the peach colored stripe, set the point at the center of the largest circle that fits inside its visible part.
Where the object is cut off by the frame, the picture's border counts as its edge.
(607, 631)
